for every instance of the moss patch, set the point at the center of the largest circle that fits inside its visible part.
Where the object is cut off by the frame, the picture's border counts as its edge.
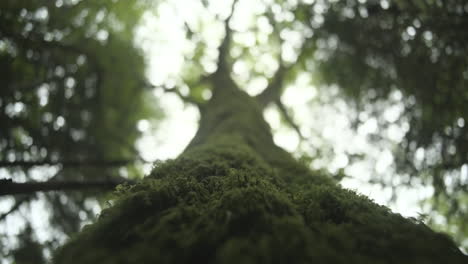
(235, 197)
(226, 205)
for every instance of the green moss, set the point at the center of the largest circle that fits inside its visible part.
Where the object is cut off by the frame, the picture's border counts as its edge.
(234, 197)
(226, 205)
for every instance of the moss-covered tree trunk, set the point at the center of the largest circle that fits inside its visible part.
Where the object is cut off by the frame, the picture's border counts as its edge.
(233, 196)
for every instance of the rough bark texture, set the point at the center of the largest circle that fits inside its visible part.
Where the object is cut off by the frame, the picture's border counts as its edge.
(233, 196)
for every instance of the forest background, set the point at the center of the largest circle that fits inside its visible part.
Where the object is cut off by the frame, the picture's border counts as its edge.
(373, 94)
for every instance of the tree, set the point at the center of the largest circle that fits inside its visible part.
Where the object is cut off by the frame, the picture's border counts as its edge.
(233, 195)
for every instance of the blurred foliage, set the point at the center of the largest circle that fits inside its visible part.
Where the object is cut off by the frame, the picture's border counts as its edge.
(73, 82)
(405, 57)
(416, 52)
(29, 250)
(72, 89)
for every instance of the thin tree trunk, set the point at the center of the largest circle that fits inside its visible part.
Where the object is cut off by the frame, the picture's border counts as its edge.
(8, 187)
(67, 163)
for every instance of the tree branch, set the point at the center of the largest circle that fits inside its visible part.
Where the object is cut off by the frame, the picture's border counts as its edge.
(274, 89)
(184, 98)
(8, 187)
(67, 163)
(15, 207)
(223, 65)
(176, 91)
(289, 119)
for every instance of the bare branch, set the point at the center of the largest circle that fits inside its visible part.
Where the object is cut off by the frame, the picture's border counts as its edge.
(8, 187)
(67, 163)
(274, 89)
(289, 119)
(184, 98)
(176, 91)
(15, 207)
(223, 65)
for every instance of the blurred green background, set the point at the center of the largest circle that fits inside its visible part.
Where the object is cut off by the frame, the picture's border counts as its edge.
(374, 92)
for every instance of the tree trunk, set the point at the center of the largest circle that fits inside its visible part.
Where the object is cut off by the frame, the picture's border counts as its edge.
(233, 196)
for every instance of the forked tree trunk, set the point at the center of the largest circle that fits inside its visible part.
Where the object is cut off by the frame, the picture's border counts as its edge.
(233, 196)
